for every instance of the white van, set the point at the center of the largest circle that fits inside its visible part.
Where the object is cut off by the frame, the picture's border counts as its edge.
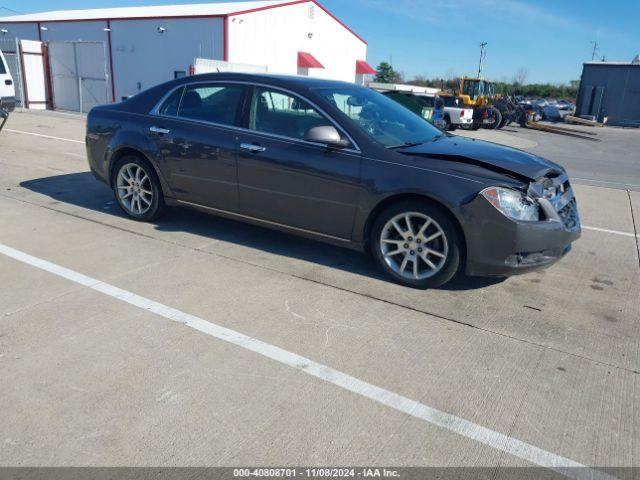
(7, 89)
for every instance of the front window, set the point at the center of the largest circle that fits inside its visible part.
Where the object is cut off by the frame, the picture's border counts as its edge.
(279, 113)
(384, 120)
(3, 69)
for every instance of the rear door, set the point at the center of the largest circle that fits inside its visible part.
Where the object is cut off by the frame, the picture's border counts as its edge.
(286, 180)
(196, 134)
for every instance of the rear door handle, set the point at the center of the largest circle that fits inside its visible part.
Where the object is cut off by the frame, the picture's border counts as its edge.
(252, 148)
(159, 130)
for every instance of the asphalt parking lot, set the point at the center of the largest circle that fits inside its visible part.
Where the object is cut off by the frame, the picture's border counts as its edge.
(201, 341)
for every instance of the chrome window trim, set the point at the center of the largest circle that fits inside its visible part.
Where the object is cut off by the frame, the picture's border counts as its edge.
(156, 113)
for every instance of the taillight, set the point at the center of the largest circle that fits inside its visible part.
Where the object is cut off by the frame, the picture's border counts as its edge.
(485, 114)
(461, 113)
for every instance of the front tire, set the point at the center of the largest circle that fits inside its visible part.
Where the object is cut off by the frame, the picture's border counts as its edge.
(137, 189)
(417, 245)
(497, 119)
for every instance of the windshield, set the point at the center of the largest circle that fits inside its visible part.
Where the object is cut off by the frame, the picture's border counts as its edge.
(473, 88)
(384, 120)
(3, 69)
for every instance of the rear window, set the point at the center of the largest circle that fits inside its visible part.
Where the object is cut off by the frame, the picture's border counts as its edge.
(452, 101)
(214, 103)
(426, 101)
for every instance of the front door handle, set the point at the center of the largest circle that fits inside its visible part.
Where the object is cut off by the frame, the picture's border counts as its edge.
(159, 130)
(252, 148)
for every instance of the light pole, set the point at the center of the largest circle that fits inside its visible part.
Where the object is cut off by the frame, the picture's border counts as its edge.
(482, 57)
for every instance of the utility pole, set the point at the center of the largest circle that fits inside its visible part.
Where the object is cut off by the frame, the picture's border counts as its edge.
(596, 45)
(482, 57)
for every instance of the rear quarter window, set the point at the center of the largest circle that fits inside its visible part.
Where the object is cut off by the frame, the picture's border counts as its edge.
(171, 105)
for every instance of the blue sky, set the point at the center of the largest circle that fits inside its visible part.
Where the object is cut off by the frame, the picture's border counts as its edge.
(549, 38)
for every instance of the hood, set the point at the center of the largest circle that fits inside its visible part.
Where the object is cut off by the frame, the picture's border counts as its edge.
(488, 155)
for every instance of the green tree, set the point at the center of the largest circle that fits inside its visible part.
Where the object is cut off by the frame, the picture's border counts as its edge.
(386, 74)
(544, 90)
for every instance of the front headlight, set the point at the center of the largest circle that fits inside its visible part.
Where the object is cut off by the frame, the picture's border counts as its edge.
(512, 203)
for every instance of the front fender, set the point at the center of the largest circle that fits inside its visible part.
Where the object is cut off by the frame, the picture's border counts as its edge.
(385, 181)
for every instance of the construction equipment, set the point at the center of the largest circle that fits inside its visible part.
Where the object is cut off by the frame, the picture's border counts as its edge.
(480, 95)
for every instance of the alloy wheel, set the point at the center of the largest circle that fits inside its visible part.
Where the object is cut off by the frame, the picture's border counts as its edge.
(414, 246)
(135, 189)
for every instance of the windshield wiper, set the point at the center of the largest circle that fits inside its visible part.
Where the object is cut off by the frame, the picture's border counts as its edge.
(415, 144)
(406, 145)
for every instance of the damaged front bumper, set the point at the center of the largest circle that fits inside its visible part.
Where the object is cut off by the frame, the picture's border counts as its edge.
(500, 246)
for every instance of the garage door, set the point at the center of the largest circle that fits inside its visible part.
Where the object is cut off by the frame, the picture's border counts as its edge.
(78, 75)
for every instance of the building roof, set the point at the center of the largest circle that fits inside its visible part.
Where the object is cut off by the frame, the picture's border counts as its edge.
(612, 64)
(161, 11)
(224, 9)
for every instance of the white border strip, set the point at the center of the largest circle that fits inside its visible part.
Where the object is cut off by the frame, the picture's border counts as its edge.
(42, 136)
(390, 399)
(614, 232)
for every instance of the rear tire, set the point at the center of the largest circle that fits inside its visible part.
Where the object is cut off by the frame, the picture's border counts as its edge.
(413, 231)
(447, 123)
(137, 189)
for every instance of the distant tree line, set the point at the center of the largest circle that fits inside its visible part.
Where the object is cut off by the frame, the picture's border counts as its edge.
(517, 86)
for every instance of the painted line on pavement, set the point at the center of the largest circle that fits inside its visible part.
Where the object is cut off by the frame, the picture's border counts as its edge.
(388, 398)
(614, 232)
(578, 179)
(42, 136)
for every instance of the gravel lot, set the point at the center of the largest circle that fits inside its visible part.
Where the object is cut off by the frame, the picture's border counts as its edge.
(202, 341)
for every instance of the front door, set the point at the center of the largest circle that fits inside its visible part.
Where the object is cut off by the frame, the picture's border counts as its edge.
(197, 142)
(286, 180)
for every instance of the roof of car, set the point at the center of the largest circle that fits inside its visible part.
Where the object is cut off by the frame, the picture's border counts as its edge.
(298, 80)
(146, 100)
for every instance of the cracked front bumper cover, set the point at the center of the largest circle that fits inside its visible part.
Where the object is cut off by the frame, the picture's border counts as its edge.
(500, 246)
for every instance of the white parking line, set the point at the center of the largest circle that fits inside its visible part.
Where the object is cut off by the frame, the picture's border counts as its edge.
(43, 136)
(388, 398)
(578, 179)
(615, 232)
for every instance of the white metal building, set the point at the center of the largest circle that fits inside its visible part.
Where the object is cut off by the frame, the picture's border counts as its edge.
(145, 46)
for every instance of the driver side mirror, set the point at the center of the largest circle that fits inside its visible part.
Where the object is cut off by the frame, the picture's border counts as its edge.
(327, 135)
